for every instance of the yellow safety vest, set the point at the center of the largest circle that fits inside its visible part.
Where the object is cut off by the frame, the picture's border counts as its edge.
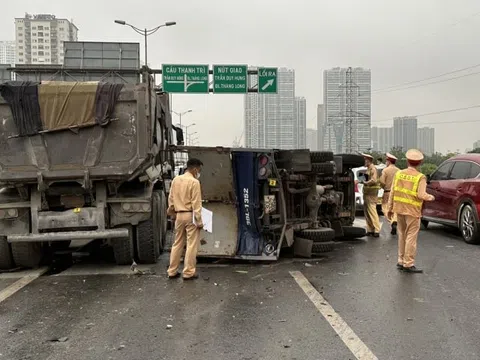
(406, 189)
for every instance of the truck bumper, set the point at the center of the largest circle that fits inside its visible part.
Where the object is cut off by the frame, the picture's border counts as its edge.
(69, 235)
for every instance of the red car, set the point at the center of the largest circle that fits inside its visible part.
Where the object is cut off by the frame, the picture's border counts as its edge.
(456, 187)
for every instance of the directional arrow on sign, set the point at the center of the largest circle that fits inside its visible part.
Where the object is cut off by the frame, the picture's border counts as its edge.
(185, 82)
(268, 84)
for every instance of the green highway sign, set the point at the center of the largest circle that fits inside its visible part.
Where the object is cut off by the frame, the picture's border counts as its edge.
(267, 80)
(230, 79)
(185, 78)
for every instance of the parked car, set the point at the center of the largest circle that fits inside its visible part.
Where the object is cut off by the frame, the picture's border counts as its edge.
(456, 187)
(360, 175)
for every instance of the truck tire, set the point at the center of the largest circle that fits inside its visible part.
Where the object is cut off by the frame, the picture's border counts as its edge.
(123, 248)
(321, 156)
(323, 247)
(351, 161)
(150, 233)
(27, 255)
(164, 220)
(6, 259)
(327, 169)
(320, 235)
(353, 232)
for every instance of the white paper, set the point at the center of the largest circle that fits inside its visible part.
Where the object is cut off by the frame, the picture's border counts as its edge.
(207, 218)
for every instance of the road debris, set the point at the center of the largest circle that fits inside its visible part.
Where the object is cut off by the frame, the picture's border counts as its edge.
(241, 271)
(308, 265)
(169, 327)
(62, 339)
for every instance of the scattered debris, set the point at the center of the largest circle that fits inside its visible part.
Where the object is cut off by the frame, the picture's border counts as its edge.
(449, 246)
(169, 326)
(62, 339)
(215, 284)
(89, 325)
(343, 273)
(121, 347)
(13, 331)
(286, 346)
(241, 271)
(282, 320)
(409, 319)
(308, 265)
(203, 242)
(420, 300)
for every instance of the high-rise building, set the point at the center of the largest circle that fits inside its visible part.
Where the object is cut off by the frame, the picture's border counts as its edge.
(426, 140)
(340, 91)
(476, 145)
(382, 139)
(405, 132)
(312, 139)
(272, 120)
(320, 127)
(39, 38)
(7, 52)
(301, 115)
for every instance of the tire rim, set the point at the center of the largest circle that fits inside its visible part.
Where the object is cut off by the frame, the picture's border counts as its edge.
(468, 223)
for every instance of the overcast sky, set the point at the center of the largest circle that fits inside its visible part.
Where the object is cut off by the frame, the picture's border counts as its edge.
(399, 41)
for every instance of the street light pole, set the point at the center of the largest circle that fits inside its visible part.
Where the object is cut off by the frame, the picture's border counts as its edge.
(180, 114)
(146, 33)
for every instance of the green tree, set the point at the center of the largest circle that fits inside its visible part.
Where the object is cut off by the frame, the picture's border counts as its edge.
(428, 168)
(475, 151)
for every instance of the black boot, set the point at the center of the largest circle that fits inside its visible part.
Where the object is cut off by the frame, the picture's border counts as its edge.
(412, 269)
(376, 235)
(399, 266)
(394, 228)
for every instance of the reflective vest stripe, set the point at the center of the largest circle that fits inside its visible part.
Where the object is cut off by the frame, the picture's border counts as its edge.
(415, 180)
(408, 201)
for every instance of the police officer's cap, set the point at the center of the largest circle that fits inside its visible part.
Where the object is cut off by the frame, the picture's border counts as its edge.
(414, 155)
(367, 156)
(391, 157)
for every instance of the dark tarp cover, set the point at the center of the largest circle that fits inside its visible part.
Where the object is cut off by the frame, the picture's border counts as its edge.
(22, 97)
(250, 240)
(59, 105)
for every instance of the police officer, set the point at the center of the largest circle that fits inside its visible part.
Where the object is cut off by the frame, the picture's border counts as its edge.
(370, 197)
(406, 200)
(386, 181)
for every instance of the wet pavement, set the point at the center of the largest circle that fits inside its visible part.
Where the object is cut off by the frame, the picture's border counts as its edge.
(255, 311)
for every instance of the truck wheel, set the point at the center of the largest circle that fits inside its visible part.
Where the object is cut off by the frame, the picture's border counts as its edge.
(27, 254)
(318, 248)
(324, 168)
(123, 248)
(320, 235)
(353, 232)
(150, 233)
(164, 220)
(321, 156)
(6, 259)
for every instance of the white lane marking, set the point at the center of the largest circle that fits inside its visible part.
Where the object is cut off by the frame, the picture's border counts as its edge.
(19, 284)
(348, 336)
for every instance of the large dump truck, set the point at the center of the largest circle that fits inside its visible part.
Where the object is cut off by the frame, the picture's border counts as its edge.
(264, 201)
(81, 161)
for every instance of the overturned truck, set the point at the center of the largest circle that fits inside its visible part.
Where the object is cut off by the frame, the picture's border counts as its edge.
(264, 201)
(75, 159)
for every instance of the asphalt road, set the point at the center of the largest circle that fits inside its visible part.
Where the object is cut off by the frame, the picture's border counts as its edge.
(256, 311)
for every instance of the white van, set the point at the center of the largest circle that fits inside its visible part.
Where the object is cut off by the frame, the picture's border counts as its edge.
(360, 175)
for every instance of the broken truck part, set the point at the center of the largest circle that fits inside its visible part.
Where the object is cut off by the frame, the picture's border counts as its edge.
(266, 200)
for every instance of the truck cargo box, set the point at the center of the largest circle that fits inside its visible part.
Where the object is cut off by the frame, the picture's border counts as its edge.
(115, 152)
